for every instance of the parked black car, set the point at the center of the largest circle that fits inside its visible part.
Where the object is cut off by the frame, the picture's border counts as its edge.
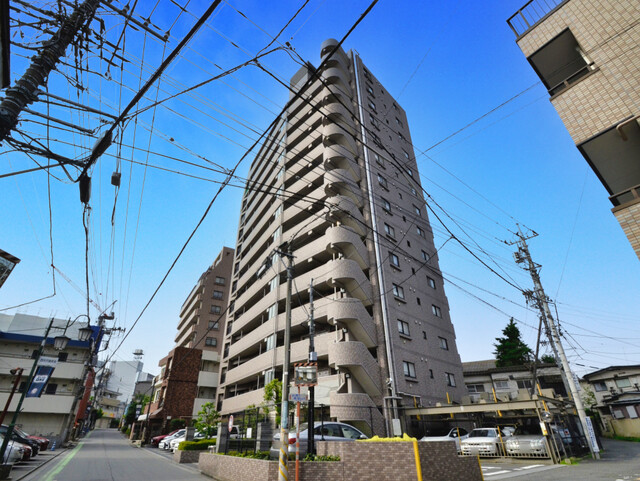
(16, 436)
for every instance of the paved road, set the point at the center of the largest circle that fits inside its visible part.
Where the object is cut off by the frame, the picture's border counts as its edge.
(105, 455)
(620, 461)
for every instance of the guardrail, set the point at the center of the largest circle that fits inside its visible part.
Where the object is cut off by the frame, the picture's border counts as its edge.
(530, 14)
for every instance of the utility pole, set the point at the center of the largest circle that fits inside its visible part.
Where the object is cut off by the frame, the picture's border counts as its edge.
(283, 473)
(313, 357)
(16, 382)
(540, 299)
(25, 90)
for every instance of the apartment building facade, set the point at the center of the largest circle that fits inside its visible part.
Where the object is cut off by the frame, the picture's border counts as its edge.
(585, 52)
(337, 183)
(189, 373)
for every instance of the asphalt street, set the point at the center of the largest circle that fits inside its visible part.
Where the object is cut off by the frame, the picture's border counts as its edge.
(620, 461)
(105, 455)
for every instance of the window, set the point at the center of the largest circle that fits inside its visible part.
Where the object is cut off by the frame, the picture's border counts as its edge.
(451, 379)
(211, 341)
(268, 376)
(395, 107)
(524, 384)
(600, 386)
(408, 243)
(431, 282)
(51, 388)
(623, 383)
(382, 181)
(214, 325)
(63, 356)
(475, 388)
(379, 160)
(280, 173)
(270, 342)
(405, 153)
(424, 334)
(425, 256)
(403, 327)
(436, 310)
(272, 311)
(278, 212)
(399, 122)
(398, 291)
(443, 343)
(220, 281)
(418, 301)
(349, 432)
(409, 369)
(413, 191)
(410, 172)
(386, 205)
(277, 233)
(273, 284)
(216, 309)
(400, 136)
(390, 231)
(416, 210)
(394, 260)
(218, 295)
(374, 122)
(501, 385)
(372, 106)
(420, 231)
(370, 90)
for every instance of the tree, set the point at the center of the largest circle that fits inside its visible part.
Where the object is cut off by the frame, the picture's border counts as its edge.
(130, 416)
(273, 396)
(207, 420)
(548, 359)
(511, 349)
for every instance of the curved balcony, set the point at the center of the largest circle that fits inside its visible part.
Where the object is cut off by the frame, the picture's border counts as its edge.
(342, 240)
(337, 113)
(335, 134)
(344, 210)
(353, 314)
(305, 132)
(338, 77)
(333, 93)
(355, 357)
(340, 182)
(356, 406)
(337, 156)
(347, 274)
(339, 55)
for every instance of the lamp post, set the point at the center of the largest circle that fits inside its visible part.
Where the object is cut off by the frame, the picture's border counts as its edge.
(59, 343)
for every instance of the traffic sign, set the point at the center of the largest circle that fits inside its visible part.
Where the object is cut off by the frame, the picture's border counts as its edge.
(297, 398)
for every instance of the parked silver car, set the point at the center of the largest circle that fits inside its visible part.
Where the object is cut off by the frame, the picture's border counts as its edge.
(164, 444)
(484, 442)
(14, 451)
(454, 434)
(328, 431)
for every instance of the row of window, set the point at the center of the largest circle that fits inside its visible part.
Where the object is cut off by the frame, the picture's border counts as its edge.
(499, 385)
(409, 370)
(403, 328)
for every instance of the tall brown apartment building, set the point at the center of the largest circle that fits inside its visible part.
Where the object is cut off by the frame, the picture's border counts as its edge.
(586, 54)
(189, 373)
(337, 181)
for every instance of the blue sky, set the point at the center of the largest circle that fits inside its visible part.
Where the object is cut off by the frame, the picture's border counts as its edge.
(448, 63)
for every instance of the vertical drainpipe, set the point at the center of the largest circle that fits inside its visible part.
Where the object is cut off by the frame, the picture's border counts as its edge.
(385, 313)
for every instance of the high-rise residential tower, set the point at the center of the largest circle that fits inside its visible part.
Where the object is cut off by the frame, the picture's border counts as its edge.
(336, 181)
(586, 54)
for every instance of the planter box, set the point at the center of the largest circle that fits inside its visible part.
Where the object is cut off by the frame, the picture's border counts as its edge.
(182, 457)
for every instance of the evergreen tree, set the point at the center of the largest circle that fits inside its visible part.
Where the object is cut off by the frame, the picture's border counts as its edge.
(207, 420)
(511, 349)
(548, 359)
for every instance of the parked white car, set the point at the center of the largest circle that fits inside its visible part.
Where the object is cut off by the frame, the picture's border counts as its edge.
(164, 444)
(328, 431)
(485, 442)
(454, 434)
(14, 452)
(174, 443)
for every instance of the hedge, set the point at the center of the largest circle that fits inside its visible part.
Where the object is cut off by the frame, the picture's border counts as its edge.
(200, 445)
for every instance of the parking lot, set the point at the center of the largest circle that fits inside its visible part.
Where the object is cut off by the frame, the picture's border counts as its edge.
(23, 468)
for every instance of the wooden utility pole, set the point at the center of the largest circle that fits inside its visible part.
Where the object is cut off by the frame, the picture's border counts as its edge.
(25, 91)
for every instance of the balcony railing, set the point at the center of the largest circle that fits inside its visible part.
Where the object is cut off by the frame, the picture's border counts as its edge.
(628, 196)
(531, 13)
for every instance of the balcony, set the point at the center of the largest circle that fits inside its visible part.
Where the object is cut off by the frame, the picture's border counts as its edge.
(532, 13)
(353, 314)
(342, 240)
(340, 182)
(355, 357)
(207, 379)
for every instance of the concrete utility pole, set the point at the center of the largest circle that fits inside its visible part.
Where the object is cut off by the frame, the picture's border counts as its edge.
(25, 90)
(539, 298)
(313, 357)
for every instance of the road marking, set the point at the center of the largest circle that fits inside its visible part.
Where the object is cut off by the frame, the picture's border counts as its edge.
(529, 467)
(64, 462)
(497, 472)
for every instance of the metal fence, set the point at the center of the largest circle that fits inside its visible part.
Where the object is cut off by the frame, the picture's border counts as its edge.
(530, 14)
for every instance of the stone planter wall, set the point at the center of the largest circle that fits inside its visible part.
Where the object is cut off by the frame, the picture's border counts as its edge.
(182, 457)
(382, 461)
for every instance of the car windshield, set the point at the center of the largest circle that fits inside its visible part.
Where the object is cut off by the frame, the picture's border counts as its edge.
(482, 433)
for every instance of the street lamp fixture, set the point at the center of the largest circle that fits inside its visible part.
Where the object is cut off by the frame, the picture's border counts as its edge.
(60, 342)
(84, 334)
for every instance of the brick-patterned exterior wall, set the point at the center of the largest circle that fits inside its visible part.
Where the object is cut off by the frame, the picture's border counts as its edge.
(183, 457)
(629, 219)
(604, 29)
(381, 461)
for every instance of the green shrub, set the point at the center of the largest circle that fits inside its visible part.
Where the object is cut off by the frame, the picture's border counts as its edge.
(128, 431)
(177, 424)
(315, 457)
(627, 438)
(248, 454)
(200, 445)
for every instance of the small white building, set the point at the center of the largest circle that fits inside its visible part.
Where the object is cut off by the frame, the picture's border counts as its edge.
(52, 413)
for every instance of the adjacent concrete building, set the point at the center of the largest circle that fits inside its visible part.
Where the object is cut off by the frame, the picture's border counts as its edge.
(52, 414)
(586, 54)
(189, 373)
(336, 180)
